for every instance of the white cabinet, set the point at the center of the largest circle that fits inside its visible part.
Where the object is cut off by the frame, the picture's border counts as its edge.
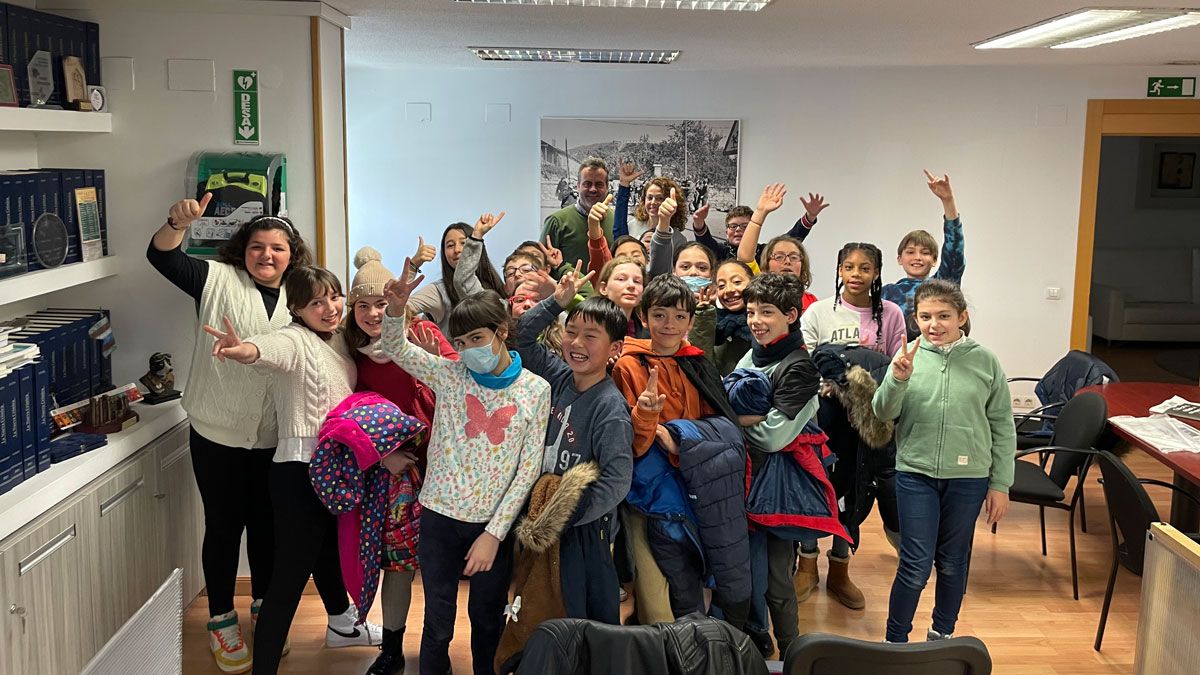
(182, 513)
(46, 590)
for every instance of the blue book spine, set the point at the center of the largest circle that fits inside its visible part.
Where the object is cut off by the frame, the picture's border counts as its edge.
(28, 428)
(12, 472)
(18, 46)
(42, 407)
(24, 188)
(93, 52)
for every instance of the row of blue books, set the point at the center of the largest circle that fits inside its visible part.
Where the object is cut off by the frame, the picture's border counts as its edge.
(24, 32)
(27, 195)
(74, 348)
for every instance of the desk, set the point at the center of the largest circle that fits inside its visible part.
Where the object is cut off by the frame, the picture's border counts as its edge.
(1136, 398)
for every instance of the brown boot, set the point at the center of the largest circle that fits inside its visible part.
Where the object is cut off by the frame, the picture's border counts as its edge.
(839, 585)
(806, 577)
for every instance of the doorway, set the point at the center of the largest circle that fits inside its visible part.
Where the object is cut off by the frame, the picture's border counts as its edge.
(1137, 277)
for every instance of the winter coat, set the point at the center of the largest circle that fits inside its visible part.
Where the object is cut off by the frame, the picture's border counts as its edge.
(1073, 372)
(537, 587)
(693, 645)
(750, 391)
(863, 444)
(788, 493)
(352, 484)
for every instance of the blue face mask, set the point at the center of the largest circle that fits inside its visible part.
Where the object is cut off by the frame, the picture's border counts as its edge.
(697, 283)
(480, 359)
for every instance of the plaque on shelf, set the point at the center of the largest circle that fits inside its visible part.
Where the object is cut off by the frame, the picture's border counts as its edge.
(12, 250)
(50, 240)
(41, 80)
(75, 82)
(99, 97)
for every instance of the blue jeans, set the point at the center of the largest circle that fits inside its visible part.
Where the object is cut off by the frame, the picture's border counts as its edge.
(839, 549)
(937, 524)
(772, 592)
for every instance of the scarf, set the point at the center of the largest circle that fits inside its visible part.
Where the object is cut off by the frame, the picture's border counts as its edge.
(766, 355)
(732, 325)
(503, 380)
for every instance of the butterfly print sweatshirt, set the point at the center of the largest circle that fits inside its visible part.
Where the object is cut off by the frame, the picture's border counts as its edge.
(485, 447)
(585, 426)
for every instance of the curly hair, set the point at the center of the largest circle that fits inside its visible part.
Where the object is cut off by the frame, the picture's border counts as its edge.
(679, 220)
(233, 251)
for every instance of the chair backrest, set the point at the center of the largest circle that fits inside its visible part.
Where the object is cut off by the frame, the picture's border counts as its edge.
(824, 654)
(1080, 424)
(1129, 507)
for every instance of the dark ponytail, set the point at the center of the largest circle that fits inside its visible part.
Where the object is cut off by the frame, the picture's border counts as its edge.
(876, 291)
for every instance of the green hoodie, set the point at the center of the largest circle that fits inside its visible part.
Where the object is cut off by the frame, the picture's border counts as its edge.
(954, 415)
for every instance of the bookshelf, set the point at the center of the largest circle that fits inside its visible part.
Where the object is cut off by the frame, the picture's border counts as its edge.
(34, 119)
(41, 282)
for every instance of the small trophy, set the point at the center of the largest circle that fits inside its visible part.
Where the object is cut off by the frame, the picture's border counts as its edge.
(160, 380)
(41, 81)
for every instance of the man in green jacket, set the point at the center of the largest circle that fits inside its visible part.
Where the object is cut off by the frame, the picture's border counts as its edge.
(567, 228)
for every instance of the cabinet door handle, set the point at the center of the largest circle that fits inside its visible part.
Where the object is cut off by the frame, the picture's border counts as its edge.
(115, 500)
(45, 551)
(18, 612)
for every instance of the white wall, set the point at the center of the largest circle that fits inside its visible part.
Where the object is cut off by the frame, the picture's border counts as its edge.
(1120, 222)
(1011, 140)
(155, 130)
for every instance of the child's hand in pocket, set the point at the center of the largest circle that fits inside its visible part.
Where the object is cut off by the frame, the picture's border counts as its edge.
(482, 554)
(398, 462)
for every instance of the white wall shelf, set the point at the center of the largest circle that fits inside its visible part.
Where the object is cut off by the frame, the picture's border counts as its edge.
(36, 119)
(41, 282)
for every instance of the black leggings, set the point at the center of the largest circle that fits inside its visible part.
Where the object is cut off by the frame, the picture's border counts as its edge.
(233, 487)
(305, 544)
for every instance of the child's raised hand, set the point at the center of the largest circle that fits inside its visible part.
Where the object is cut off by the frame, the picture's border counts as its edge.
(902, 365)
(425, 253)
(553, 255)
(422, 336)
(772, 197)
(700, 219)
(397, 291)
(229, 346)
(814, 205)
(627, 172)
(940, 187)
(597, 214)
(667, 209)
(650, 400)
(485, 224)
(539, 285)
(182, 213)
(705, 297)
(569, 283)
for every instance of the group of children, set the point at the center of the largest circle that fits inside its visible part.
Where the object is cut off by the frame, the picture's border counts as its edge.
(653, 377)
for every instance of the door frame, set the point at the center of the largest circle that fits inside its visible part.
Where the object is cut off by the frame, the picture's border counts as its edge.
(1115, 117)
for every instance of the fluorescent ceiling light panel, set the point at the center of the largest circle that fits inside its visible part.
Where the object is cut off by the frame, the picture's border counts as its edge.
(1084, 22)
(563, 55)
(1159, 26)
(716, 5)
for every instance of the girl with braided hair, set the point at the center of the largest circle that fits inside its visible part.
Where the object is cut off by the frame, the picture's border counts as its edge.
(857, 315)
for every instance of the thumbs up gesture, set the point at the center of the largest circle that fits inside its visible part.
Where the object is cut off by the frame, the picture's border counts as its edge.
(425, 253)
(597, 215)
(667, 209)
(185, 211)
(902, 365)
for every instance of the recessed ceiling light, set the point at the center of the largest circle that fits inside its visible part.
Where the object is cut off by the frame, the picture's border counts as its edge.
(564, 55)
(1159, 26)
(1088, 24)
(716, 5)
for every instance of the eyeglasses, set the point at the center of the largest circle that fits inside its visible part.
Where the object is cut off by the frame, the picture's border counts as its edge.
(523, 269)
(780, 257)
(736, 226)
(517, 299)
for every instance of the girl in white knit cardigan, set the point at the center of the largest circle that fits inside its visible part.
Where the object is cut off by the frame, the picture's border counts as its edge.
(312, 373)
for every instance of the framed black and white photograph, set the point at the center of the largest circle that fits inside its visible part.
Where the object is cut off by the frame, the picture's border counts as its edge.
(701, 155)
(1169, 174)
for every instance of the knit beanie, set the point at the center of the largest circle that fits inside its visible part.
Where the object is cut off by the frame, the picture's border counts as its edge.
(371, 276)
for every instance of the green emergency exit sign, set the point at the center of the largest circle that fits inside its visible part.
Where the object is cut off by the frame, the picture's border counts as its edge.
(1170, 87)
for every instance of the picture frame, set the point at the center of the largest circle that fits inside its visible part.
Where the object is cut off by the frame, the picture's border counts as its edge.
(1168, 174)
(8, 87)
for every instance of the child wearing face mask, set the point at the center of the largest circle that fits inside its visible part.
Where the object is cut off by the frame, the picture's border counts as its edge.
(485, 452)
(312, 373)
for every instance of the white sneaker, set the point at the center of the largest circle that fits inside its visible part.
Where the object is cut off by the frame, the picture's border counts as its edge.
(255, 607)
(934, 636)
(229, 650)
(341, 631)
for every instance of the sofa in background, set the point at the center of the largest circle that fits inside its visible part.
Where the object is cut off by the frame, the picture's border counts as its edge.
(1146, 294)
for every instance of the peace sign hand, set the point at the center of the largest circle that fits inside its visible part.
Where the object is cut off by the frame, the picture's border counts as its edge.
(627, 172)
(814, 205)
(485, 224)
(651, 401)
(772, 197)
(902, 365)
(229, 346)
(705, 296)
(185, 211)
(553, 255)
(569, 283)
(397, 291)
(940, 187)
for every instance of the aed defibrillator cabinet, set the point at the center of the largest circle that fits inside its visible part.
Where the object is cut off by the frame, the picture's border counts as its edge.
(243, 185)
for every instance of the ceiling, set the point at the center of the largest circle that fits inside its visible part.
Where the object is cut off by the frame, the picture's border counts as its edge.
(788, 34)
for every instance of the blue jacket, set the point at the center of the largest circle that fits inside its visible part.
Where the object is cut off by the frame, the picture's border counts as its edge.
(790, 493)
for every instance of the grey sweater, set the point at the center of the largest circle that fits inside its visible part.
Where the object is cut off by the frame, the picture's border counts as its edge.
(583, 426)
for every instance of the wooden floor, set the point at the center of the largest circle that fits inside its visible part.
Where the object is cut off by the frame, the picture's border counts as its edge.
(1019, 603)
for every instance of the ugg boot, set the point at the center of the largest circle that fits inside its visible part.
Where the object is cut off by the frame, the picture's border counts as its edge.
(839, 585)
(806, 577)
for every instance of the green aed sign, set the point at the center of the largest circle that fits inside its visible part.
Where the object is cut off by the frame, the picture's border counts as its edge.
(245, 107)
(1171, 87)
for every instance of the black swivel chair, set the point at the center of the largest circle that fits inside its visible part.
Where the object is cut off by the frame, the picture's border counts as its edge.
(1078, 427)
(824, 654)
(1130, 513)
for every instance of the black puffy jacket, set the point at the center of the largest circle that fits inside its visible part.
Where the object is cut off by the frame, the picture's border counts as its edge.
(693, 645)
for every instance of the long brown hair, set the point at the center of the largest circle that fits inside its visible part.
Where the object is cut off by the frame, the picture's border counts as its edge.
(679, 220)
